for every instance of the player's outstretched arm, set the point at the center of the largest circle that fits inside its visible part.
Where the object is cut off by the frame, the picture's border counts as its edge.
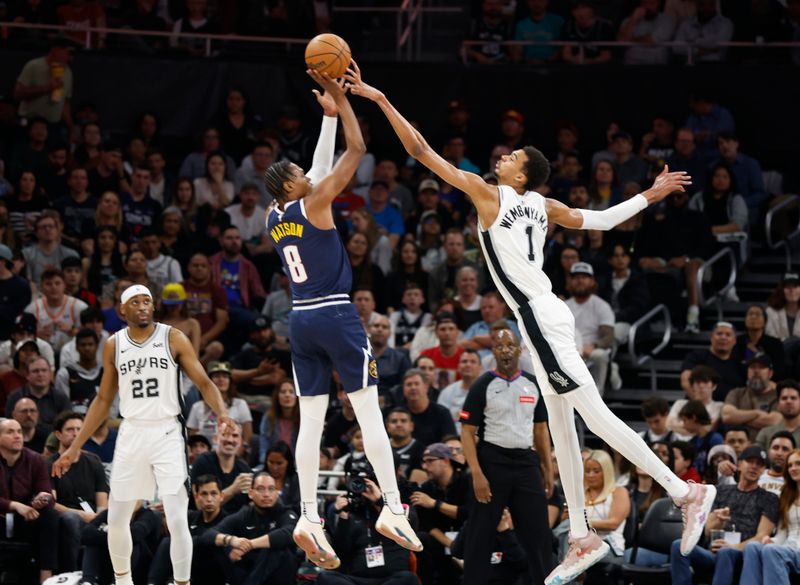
(586, 219)
(483, 195)
(328, 188)
(98, 410)
(322, 162)
(186, 358)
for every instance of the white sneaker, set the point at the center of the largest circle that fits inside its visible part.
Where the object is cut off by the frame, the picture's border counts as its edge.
(397, 528)
(582, 554)
(312, 539)
(695, 507)
(614, 377)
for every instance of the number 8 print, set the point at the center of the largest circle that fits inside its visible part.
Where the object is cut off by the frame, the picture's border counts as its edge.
(296, 269)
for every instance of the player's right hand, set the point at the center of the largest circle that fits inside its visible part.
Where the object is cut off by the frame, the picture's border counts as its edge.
(63, 463)
(357, 86)
(332, 86)
(483, 493)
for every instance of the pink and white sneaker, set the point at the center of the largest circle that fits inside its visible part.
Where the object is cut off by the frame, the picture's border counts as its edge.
(582, 554)
(311, 537)
(695, 507)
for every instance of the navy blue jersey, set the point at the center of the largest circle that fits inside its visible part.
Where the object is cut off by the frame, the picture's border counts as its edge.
(315, 260)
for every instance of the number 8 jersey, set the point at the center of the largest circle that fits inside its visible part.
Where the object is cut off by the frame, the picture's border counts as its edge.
(315, 260)
(148, 377)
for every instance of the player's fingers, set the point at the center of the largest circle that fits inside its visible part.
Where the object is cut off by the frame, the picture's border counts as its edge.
(356, 68)
(316, 93)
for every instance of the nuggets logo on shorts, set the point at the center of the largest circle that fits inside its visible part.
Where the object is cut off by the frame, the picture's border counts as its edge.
(373, 368)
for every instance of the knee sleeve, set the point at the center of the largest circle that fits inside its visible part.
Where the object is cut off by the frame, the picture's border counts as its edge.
(180, 547)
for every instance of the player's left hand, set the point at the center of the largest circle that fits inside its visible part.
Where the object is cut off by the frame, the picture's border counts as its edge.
(422, 500)
(225, 424)
(666, 183)
(334, 87)
(327, 102)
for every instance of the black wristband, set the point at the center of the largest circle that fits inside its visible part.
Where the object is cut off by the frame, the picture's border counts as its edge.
(438, 505)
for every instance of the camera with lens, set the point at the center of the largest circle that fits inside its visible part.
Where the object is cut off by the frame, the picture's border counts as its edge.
(356, 485)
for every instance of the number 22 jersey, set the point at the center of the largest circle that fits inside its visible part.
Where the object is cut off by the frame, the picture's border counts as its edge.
(315, 260)
(148, 377)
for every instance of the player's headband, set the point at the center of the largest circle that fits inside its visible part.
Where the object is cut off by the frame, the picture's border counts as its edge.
(132, 291)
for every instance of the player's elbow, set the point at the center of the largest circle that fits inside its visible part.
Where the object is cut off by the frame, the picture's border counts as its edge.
(418, 149)
(357, 147)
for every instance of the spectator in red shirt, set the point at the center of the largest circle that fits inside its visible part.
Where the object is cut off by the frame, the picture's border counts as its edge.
(208, 303)
(348, 200)
(684, 453)
(447, 355)
(25, 493)
(14, 380)
(82, 14)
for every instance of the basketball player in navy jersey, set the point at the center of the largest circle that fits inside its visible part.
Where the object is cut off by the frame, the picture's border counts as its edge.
(326, 331)
(513, 224)
(144, 362)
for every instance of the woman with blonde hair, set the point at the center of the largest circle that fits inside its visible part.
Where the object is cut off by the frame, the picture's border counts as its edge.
(379, 244)
(108, 213)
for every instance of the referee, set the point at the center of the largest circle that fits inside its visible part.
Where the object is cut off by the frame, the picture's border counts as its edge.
(505, 410)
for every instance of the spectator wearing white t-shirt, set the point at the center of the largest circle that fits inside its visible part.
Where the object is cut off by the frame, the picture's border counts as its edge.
(702, 383)
(161, 269)
(452, 397)
(57, 314)
(249, 217)
(594, 319)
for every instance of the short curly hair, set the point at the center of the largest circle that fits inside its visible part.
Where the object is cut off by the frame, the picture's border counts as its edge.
(537, 168)
(275, 176)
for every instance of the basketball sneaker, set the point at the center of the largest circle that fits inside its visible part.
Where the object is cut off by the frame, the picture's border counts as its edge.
(695, 507)
(396, 527)
(311, 538)
(583, 553)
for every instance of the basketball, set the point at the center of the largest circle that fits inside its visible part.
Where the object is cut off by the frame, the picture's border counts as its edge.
(328, 53)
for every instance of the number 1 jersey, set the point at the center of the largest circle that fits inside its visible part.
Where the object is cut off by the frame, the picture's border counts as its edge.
(315, 260)
(148, 377)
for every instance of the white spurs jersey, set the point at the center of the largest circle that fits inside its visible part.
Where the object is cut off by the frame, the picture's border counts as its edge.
(514, 246)
(149, 378)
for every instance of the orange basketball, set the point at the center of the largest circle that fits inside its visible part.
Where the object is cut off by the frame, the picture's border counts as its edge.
(328, 53)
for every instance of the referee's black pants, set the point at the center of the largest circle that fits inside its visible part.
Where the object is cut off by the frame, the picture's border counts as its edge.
(516, 482)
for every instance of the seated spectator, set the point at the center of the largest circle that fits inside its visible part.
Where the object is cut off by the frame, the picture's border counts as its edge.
(674, 242)
(173, 313)
(366, 275)
(566, 178)
(442, 279)
(213, 188)
(173, 235)
(24, 329)
(203, 420)
(281, 422)
(604, 188)
(238, 124)
(26, 498)
(340, 425)
(162, 181)
(788, 406)
(392, 363)
(455, 150)
(441, 503)
(683, 459)
(447, 353)
(492, 28)
(31, 152)
(747, 171)
(72, 269)
(194, 165)
(206, 569)
(723, 206)
(15, 379)
(643, 490)
(719, 357)
(702, 384)
(260, 366)
(539, 26)
(94, 320)
(704, 31)
(379, 244)
(354, 461)
(262, 156)
(112, 311)
(197, 445)
(140, 211)
(781, 444)
(80, 381)
(647, 26)
(467, 300)
(752, 510)
(625, 291)
(195, 21)
(161, 269)
(234, 474)
(399, 195)
(738, 439)
(25, 206)
(409, 317)
(57, 313)
(755, 340)
(407, 450)
(654, 412)
(721, 466)
(207, 303)
(145, 535)
(109, 173)
(280, 465)
(585, 28)
(385, 214)
(27, 415)
(478, 335)
(429, 200)
(81, 493)
(431, 421)
(594, 320)
(102, 443)
(452, 397)
(658, 144)
(48, 251)
(40, 389)
(755, 404)
(686, 158)
(628, 167)
(54, 179)
(697, 423)
(258, 538)
(783, 307)
(77, 207)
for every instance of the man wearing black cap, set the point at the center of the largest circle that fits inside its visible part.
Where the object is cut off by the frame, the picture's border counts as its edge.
(384, 213)
(259, 365)
(744, 509)
(778, 322)
(15, 292)
(754, 405)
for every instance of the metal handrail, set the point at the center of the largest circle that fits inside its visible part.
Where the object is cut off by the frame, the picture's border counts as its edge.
(785, 241)
(649, 359)
(720, 294)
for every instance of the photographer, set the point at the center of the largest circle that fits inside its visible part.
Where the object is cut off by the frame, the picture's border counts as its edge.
(368, 558)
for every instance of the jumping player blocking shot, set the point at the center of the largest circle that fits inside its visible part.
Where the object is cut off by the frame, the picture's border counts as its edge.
(513, 224)
(325, 328)
(144, 362)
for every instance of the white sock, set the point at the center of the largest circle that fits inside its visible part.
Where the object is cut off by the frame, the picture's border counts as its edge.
(312, 422)
(310, 511)
(392, 500)
(125, 579)
(578, 527)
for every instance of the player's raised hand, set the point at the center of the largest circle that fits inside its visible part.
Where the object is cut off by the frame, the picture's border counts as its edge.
(225, 424)
(666, 183)
(357, 86)
(63, 463)
(329, 107)
(331, 86)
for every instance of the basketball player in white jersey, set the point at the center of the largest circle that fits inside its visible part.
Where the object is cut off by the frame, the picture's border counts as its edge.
(513, 222)
(144, 362)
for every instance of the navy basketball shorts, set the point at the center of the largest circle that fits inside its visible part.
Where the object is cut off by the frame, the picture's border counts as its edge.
(326, 338)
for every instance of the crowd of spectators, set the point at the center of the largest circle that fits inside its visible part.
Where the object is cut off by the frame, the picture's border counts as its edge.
(83, 216)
